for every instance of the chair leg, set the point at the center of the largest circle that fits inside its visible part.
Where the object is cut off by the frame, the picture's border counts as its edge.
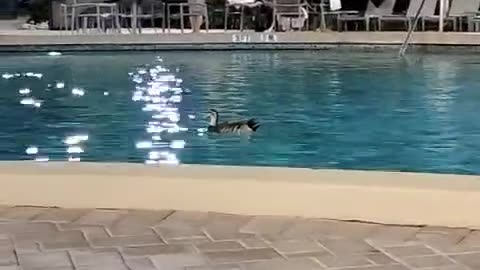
(206, 20)
(241, 18)
(182, 24)
(168, 19)
(225, 22)
(73, 21)
(163, 23)
(84, 24)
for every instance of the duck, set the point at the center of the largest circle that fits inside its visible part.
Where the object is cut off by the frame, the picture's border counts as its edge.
(238, 127)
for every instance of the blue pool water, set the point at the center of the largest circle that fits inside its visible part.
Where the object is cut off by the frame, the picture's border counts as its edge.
(318, 109)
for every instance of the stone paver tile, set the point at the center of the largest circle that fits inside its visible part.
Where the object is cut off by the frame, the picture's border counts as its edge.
(140, 264)
(472, 239)
(101, 217)
(178, 260)
(5, 243)
(61, 215)
(332, 261)
(308, 228)
(103, 267)
(469, 244)
(124, 241)
(170, 231)
(44, 260)
(183, 224)
(94, 257)
(12, 267)
(22, 247)
(321, 229)
(451, 267)
(409, 251)
(253, 243)
(428, 261)
(347, 246)
(380, 267)
(380, 258)
(91, 231)
(226, 227)
(189, 241)
(393, 235)
(216, 267)
(242, 255)
(67, 239)
(7, 258)
(281, 264)
(297, 246)
(188, 217)
(38, 227)
(157, 250)
(440, 236)
(265, 225)
(54, 240)
(136, 222)
(471, 260)
(22, 213)
(305, 254)
(58, 268)
(219, 246)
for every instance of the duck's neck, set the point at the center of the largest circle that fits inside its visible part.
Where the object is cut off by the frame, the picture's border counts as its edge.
(213, 121)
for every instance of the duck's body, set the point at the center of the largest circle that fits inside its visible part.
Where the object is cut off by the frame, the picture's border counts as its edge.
(237, 127)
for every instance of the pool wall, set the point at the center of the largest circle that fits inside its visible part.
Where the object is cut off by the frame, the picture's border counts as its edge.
(382, 197)
(30, 41)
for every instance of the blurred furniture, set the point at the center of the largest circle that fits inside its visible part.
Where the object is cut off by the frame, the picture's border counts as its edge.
(81, 15)
(293, 12)
(187, 9)
(237, 7)
(137, 12)
(371, 13)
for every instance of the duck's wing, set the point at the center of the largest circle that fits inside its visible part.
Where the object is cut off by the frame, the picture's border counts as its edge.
(239, 126)
(230, 127)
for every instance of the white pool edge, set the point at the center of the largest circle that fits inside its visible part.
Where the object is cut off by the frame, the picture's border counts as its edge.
(383, 197)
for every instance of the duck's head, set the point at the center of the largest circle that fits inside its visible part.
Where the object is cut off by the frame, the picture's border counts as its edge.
(213, 115)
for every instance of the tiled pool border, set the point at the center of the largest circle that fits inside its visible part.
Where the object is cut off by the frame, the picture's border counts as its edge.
(372, 196)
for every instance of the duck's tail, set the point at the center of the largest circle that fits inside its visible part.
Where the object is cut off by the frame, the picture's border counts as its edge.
(253, 124)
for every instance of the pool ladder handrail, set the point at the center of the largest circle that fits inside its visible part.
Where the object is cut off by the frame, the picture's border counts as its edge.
(413, 26)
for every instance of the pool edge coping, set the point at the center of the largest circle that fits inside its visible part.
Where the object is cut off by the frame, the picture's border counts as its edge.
(370, 196)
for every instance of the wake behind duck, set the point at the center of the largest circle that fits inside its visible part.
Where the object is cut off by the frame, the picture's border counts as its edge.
(243, 127)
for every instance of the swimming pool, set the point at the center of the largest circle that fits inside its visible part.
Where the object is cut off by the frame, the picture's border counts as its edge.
(318, 109)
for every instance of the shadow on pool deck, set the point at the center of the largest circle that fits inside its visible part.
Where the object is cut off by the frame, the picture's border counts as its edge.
(54, 238)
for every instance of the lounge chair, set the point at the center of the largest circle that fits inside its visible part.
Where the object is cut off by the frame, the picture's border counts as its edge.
(461, 9)
(371, 12)
(290, 14)
(147, 10)
(68, 13)
(192, 9)
(428, 10)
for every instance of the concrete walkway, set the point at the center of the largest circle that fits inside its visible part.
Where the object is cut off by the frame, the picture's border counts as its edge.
(62, 239)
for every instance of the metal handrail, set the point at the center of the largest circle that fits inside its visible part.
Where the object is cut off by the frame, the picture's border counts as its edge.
(403, 49)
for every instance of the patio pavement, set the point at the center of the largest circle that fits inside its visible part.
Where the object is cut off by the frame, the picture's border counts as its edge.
(89, 239)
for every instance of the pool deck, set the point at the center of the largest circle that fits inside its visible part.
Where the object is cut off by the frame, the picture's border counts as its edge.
(35, 238)
(44, 40)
